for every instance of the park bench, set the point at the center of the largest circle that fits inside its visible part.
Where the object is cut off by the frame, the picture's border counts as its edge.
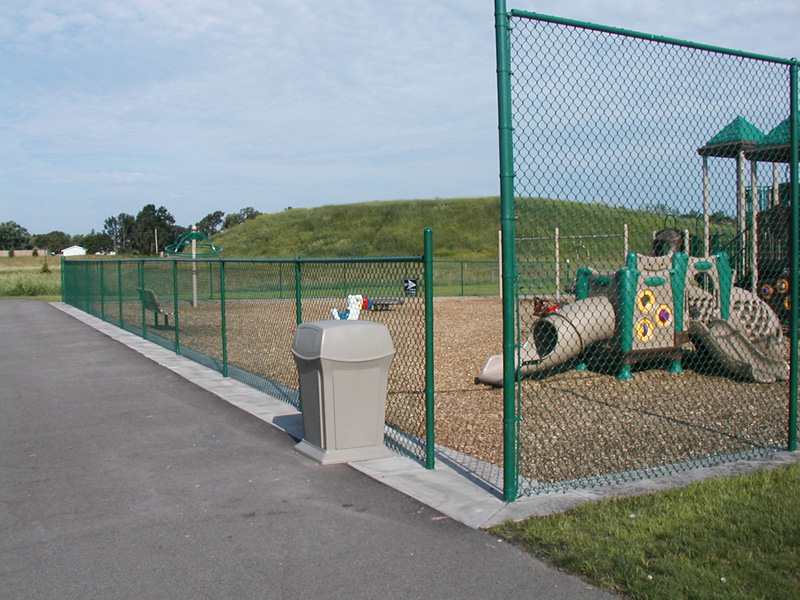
(385, 303)
(150, 302)
(357, 303)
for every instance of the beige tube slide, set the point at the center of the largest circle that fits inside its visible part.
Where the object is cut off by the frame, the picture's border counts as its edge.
(557, 338)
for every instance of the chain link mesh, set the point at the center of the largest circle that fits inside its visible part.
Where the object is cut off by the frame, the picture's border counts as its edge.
(674, 355)
(239, 317)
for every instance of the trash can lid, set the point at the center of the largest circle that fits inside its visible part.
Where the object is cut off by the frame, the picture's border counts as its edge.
(344, 341)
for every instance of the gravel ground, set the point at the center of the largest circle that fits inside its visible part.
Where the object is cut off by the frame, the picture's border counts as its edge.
(571, 425)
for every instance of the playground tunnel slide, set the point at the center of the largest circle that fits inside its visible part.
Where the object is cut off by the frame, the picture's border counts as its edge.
(747, 344)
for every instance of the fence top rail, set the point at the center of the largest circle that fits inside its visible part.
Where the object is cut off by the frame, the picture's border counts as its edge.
(363, 259)
(571, 237)
(651, 37)
(455, 261)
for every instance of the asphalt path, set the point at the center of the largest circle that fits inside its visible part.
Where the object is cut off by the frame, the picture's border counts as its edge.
(120, 479)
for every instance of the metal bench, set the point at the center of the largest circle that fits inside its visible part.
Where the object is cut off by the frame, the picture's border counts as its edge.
(150, 302)
(385, 303)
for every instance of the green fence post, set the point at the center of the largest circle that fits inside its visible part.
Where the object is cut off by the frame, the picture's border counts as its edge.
(430, 439)
(223, 324)
(510, 483)
(87, 306)
(141, 298)
(298, 296)
(63, 286)
(102, 292)
(119, 290)
(175, 305)
(795, 250)
(626, 284)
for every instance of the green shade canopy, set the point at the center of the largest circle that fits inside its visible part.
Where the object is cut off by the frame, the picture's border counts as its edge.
(203, 246)
(740, 134)
(775, 145)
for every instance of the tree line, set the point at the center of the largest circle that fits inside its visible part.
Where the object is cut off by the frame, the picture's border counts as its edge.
(146, 234)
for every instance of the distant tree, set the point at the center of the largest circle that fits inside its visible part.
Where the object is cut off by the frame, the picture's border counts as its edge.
(127, 227)
(55, 241)
(13, 236)
(231, 220)
(240, 217)
(120, 230)
(77, 239)
(210, 224)
(95, 242)
(111, 229)
(249, 213)
(152, 222)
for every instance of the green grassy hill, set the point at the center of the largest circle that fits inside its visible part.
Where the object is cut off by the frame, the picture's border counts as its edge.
(463, 229)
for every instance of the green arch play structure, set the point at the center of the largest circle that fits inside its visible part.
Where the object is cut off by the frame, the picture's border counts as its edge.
(193, 244)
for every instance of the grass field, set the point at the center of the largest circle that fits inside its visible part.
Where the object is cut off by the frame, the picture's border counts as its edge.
(30, 276)
(725, 538)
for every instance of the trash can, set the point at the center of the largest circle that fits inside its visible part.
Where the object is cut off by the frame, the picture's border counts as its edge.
(343, 368)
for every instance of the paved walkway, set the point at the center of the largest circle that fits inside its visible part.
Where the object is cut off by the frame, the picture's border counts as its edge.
(122, 479)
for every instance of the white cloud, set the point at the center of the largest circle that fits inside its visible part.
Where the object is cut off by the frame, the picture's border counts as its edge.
(219, 104)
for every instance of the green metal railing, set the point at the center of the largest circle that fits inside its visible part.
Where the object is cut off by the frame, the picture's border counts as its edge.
(662, 362)
(238, 316)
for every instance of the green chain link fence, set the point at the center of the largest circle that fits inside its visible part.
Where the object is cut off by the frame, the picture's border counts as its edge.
(466, 277)
(649, 250)
(672, 349)
(238, 316)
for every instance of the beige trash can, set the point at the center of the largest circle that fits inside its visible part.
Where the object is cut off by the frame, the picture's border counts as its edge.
(343, 369)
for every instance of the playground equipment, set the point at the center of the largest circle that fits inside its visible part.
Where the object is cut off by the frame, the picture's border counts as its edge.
(760, 251)
(650, 309)
(355, 303)
(195, 244)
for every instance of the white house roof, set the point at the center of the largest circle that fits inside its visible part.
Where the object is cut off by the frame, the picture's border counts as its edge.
(73, 251)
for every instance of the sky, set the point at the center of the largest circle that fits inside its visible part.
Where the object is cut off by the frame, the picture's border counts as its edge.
(206, 105)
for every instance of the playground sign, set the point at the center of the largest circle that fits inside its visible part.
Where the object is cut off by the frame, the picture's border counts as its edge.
(410, 286)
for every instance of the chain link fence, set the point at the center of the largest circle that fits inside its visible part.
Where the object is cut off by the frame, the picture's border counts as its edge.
(239, 316)
(669, 350)
(466, 277)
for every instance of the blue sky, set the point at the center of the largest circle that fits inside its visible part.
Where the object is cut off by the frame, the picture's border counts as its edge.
(204, 105)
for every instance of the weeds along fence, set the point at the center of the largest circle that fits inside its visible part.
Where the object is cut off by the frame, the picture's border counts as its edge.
(681, 354)
(238, 317)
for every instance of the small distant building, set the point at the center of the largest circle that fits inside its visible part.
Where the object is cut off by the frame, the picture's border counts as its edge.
(74, 251)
